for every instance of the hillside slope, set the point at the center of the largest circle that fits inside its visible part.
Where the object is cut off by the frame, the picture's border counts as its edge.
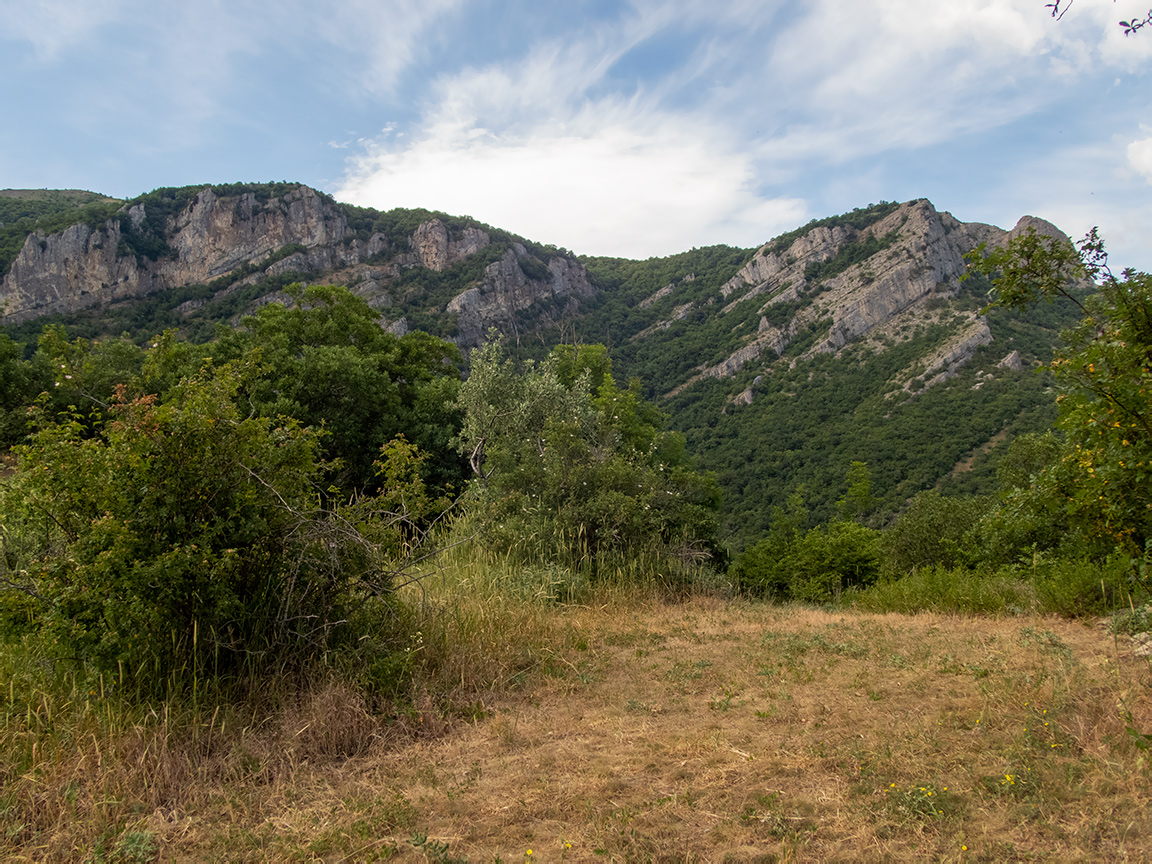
(852, 338)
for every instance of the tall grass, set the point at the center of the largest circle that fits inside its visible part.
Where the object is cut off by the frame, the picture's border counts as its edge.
(88, 766)
(1042, 586)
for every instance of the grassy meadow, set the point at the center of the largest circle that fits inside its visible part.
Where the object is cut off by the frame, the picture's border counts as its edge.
(638, 723)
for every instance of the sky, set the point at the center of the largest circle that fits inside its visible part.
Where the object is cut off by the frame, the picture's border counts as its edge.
(634, 129)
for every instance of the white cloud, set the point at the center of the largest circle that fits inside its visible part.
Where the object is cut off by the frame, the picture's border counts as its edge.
(678, 161)
(1140, 157)
(522, 145)
(868, 76)
(385, 37)
(1077, 188)
(609, 190)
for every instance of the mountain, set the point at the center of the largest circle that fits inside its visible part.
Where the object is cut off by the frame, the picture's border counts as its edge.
(852, 338)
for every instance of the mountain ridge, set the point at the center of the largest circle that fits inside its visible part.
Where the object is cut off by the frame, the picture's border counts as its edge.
(729, 341)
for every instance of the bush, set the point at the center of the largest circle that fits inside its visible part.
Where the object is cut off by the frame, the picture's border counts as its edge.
(1046, 586)
(949, 590)
(933, 530)
(182, 538)
(815, 567)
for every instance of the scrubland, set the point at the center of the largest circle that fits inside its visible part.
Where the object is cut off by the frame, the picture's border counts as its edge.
(639, 724)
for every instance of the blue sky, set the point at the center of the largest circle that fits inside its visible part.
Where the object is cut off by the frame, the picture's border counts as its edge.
(610, 128)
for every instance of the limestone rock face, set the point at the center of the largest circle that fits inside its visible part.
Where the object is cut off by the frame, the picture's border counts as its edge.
(922, 258)
(214, 236)
(1013, 361)
(437, 252)
(506, 290)
(211, 237)
(75, 268)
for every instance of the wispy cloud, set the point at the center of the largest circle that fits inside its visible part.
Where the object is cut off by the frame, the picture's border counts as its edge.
(1140, 157)
(53, 26)
(640, 127)
(761, 94)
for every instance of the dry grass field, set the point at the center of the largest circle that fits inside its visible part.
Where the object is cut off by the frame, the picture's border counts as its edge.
(644, 730)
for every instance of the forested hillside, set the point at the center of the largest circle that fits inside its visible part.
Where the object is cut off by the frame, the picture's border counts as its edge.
(848, 339)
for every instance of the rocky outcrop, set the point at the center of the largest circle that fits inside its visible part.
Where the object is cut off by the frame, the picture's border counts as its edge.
(213, 236)
(1013, 362)
(437, 252)
(921, 258)
(506, 290)
(657, 296)
(209, 238)
(77, 267)
(948, 359)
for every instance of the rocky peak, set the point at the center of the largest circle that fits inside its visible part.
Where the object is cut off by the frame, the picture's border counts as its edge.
(1040, 226)
(858, 280)
(213, 236)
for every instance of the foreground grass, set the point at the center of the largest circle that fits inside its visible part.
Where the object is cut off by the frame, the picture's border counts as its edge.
(632, 727)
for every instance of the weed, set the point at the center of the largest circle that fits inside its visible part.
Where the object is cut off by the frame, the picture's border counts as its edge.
(922, 802)
(433, 850)
(1129, 622)
(1014, 782)
(721, 702)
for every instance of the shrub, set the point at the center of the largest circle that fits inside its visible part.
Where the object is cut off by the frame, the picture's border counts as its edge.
(180, 537)
(815, 567)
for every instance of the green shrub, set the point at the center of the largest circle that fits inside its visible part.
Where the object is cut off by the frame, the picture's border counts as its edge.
(180, 538)
(1079, 587)
(932, 530)
(1048, 585)
(815, 567)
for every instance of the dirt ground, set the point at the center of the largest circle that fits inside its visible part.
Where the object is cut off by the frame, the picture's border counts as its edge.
(729, 731)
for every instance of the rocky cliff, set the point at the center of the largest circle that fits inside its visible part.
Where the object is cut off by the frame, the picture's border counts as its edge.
(859, 284)
(871, 278)
(848, 339)
(212, 236)
(298, 233)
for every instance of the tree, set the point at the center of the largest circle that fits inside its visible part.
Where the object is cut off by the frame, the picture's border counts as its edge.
(813, 566)
(1105, 377)
(857, 501)
(932, 530)
(180, 536)
(570, 468)
(326, 361)
(20, 381)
